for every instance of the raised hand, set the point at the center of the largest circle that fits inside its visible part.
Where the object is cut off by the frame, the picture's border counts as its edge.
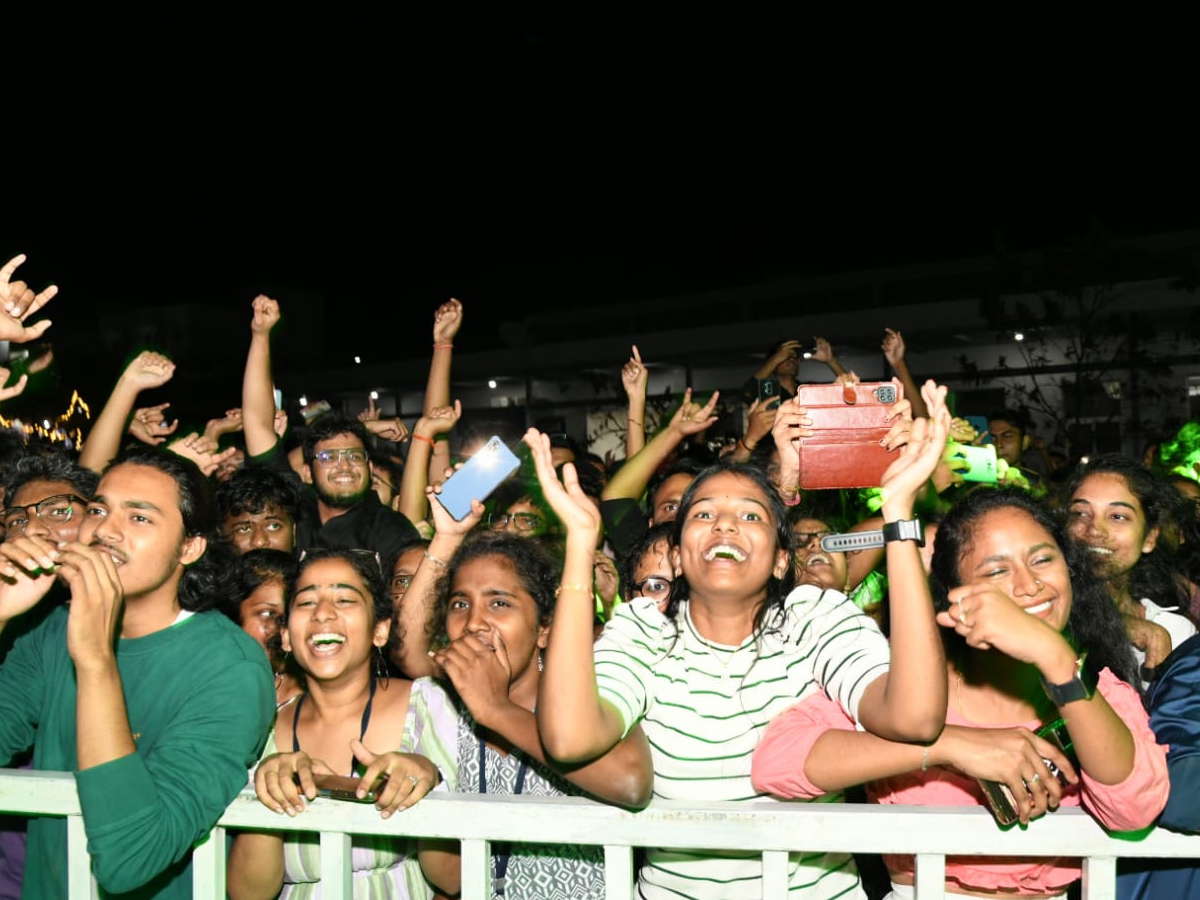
(634, 376)
(963, 432)
(148, 370)
(604, 578)
(440, 420)
(920, 454)
(823, 350)
(266, 315)
(27, 569)
(759, 422)
(446, 321)
(893, 347)
(692, 418)
(443, 522)
(149, 424)
(18, 302)
(403, 778)
(13, 390)
(791, 423)
(783, 352)
(280, 423)
(572, 506)
(226, 424)
(201, 451)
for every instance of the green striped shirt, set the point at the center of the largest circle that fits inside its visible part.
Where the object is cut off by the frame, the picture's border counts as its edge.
(704, 706)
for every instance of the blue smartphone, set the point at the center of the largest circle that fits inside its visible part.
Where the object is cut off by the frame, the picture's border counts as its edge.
(478, 477)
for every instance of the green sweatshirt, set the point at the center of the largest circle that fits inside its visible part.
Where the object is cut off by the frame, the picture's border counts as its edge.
(201, 702)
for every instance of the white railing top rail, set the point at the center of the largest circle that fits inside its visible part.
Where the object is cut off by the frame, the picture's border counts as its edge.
(764, 826)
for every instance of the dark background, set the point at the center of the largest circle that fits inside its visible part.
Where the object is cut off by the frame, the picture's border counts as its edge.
(525, 158)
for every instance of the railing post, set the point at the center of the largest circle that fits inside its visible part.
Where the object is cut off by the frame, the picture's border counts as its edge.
(618, 872)
(476, 869)
(775, 873)
(208, 865)
(80, 884)
(336, 870)
(1099, 878)
(930, 874)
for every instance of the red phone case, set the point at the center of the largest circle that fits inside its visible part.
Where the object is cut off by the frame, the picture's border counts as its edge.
(848, 424)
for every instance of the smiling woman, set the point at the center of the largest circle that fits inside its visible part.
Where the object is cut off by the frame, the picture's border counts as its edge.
(1032, 642)
(735, 646)
(393, 737)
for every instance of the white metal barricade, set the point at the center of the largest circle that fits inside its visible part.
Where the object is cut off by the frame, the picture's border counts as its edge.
(770, 828)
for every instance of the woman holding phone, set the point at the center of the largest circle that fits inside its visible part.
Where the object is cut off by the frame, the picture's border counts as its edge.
(390, 740)
(1035, 654)
(735, 647)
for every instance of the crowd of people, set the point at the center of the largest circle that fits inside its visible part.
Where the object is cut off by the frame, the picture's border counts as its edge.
(289, 605)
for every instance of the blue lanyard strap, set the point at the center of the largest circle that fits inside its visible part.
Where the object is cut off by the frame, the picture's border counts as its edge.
(502, 852)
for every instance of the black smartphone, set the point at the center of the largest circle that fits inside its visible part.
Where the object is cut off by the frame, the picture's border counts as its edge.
(342, 787)
(769, 392)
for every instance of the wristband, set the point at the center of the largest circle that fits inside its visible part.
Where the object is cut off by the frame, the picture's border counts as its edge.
(420, 437)
(1080, 687)
(904, 530)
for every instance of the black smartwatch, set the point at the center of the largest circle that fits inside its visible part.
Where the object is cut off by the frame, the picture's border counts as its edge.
(904, 530)
(1081, 687)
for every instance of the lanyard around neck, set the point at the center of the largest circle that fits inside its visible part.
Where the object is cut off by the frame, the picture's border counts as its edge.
(362, 729)
(504, 851)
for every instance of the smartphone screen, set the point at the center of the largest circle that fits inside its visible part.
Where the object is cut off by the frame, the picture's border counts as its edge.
(479, 476)
(769, 391)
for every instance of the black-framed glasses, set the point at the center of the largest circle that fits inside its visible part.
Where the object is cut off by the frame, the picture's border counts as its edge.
(327, 459)
(804, 538)
(53, 511)
(522, 522)
(654, 586)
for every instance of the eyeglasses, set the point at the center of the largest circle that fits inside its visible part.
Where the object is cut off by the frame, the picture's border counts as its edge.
(327, 459)
(653, 586)
(53, 511)
(524, 523)
(401, 584)
(804, 538)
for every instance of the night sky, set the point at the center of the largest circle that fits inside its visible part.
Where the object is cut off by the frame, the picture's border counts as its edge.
(597, 152)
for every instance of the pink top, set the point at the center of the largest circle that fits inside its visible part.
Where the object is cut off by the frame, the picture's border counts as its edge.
(1135, 803)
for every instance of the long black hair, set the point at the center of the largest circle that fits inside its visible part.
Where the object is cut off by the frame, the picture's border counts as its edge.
(1094, 624)
(1156, 574)
(770, 615)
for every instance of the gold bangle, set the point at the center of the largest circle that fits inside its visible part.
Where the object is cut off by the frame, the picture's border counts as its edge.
(433, 559)
(582, 588)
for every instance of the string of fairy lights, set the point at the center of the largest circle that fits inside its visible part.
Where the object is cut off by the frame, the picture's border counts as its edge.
(59, 430)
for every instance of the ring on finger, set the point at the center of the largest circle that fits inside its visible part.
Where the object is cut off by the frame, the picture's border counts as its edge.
(1037, 776)
(415, 779)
